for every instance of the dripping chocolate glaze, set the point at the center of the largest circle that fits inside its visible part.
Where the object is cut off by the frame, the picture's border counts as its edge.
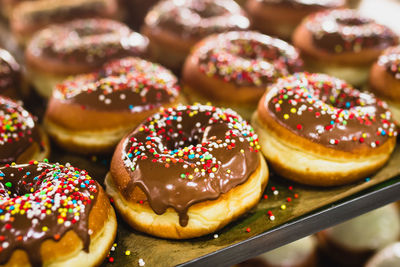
(248, 58)
(18, 139)
(10, 72)
(390, 60)
(16, 184)
(345, 30)
(88, 41)
(207, 17)
(164, 185)
(355, 132)
(129, 84)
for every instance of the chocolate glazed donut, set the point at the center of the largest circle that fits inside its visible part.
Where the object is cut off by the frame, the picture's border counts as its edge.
(234, 68)
(90, 113)
(181, 173)
(51, 213)
(21, 139)
(318, 130)
(30, 16)
(173, 27)
(79, 46)
(342, 43)
(384, 79)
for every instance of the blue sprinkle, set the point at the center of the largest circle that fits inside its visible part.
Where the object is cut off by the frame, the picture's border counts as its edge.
(191, 156)
(367, 179)
(83, 185)
(383, 132)
(2, 174)
(348, 104)
(28, 173)
(130, 106)
(332, 122)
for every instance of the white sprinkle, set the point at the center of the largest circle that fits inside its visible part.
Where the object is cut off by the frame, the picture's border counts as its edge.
(107, 101)
(276, 192)
(272, 218)
(122, 96)
(141, 262)
(215, 236)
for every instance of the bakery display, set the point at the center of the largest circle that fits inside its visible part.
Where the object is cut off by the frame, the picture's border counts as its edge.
(342, 43)
(233, 69)
(90, 113)
(187, 171)
(21, 139)
(11, 83)
(384, 79)
(214, 196)
(30, 16)
(353, 242)
(52, 214)
(173, 27)
(78, 46)
(317, 130)
(280, 17)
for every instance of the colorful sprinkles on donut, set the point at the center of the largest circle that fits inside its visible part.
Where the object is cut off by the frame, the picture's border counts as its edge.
(330, 112)
(343, 30)
(40, 201)
(198, 151)
(247, 58)
(130, 83)
(390, 59)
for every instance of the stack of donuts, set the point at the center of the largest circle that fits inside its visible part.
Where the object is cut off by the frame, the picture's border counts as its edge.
(192, 111)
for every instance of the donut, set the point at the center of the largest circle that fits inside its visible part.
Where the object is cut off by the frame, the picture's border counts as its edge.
(316, 129)
(187, 171)
(21, 139)
(30, 16)
(353, 242)
(90, 113)
(173, 27)
(53, 214)
(76, 47)
(10, 75)
(384, 79)
(387, 256)
(233, 69)
(280, 17)
(342, 43)
(300, 253)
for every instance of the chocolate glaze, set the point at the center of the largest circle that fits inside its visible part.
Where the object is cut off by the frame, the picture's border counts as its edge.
(194, 19)
(345, 30)
(327, 111)
(189, 154)
(129, 84)
(44, 12)
(88, 41)
(10, 72)
(390, 59)
(247, 58)
(17, 131)
(38, 190)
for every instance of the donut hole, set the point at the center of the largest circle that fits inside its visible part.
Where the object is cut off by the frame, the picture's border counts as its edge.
(207, 9)
(353, 21)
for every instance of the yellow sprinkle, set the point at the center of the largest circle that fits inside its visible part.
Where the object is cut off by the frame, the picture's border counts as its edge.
(60, 221)
(293, 110)
(228, 171)
(241, 151)
(364, 135)
(286, 116)
(283, 206)
(45, 228)
(128, 252)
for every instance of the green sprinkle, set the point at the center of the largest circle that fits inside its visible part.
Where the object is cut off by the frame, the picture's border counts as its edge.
(8, 184)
